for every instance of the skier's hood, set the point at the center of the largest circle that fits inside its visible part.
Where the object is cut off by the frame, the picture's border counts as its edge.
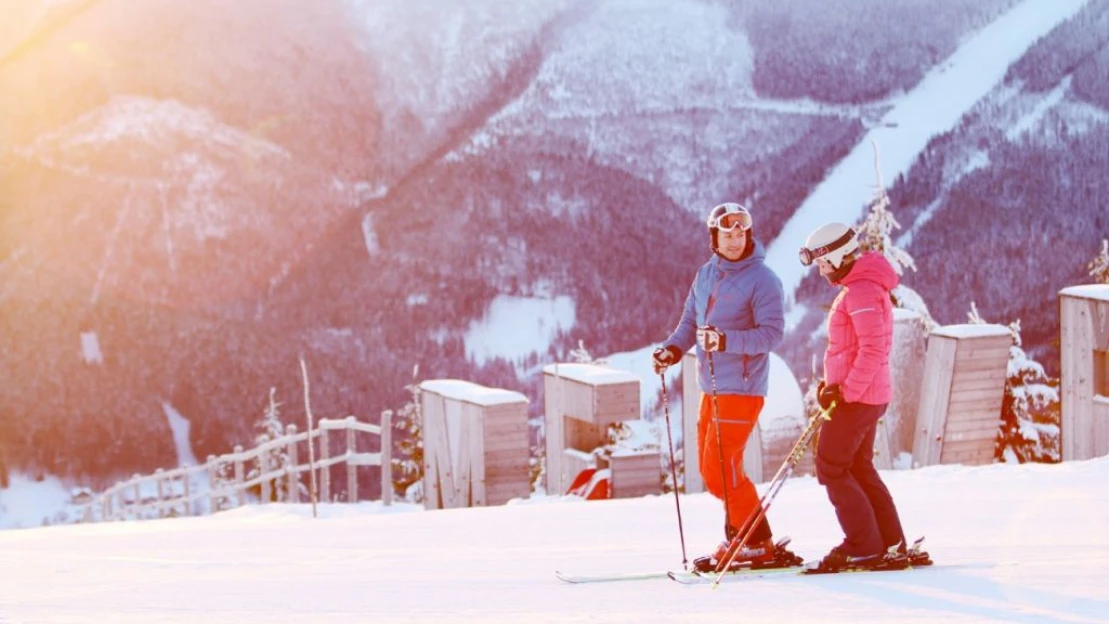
(872, 267)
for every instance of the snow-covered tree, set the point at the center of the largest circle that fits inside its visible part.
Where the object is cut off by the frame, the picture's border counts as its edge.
(1099, 266)
(408, 446)
(874, 235)
(271, 428)
(1030, 410)
(581, 355)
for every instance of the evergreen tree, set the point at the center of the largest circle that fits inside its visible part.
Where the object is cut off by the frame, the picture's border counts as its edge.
(271, 428)
(1030, 410)
(1099, 266)
(408, 446)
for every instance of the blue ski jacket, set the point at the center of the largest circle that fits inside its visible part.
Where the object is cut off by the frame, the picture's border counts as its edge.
(744, 299)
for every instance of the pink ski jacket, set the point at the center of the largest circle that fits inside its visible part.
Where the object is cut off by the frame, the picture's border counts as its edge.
(860, 332)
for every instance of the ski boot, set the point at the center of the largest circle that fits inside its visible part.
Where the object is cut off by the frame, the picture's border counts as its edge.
(765, 554)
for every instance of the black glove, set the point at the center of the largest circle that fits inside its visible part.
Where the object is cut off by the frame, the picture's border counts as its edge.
(828, 395)
(665, 357)
(710, 338)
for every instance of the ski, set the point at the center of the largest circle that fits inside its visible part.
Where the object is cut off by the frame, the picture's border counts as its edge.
(916, 559)
(693, 577)
(613, 577)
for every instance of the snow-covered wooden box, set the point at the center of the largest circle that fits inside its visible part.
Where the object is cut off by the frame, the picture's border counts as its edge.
(634, 473)
(581, 401)
(960, 400)
(1084, 326)
(780, 424)
(907, 357)
(475, 444)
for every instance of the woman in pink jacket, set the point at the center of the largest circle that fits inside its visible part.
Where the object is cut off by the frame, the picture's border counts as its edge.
(857, 389)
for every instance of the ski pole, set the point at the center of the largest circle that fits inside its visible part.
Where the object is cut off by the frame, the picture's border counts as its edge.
(719, 441)
(776, 484)
(673, 469)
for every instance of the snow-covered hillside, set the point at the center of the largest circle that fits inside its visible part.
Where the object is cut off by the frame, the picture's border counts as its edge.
(1014, 544)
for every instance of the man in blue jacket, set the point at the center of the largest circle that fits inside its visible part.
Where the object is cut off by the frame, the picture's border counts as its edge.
(734, 313)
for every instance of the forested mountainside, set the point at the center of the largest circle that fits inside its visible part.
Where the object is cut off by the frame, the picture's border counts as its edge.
(355, 182)
(1018, 192)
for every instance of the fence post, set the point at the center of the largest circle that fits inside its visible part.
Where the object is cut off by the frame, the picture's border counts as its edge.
(213, 497)
(138, 496)
(159, 477)
(291, 464)
(240, 493)
(325, 469)
(386, 457)
(264, 465)
(186, 488)
(352, 470)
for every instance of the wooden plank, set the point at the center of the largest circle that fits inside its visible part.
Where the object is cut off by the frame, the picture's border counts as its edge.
(974, 424)
(967, 366)
(939, 366)
(634, 475)
(552, 426)
(1069, 373)
(474, 425)
(996, 341)
(970, 444)
(444, 473)
(982, 412)
(977, 405)
(1099, 324)
(952, 440)
(973, 420)
(1076, 378)
(975, 457)
(965, 382)
(998, 373)
(988, 355)
(971, 396)
(1100, 414)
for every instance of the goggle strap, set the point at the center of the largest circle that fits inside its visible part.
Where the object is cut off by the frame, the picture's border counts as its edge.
(830, 247)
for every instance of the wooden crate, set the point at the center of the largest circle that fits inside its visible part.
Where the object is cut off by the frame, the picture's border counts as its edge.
(475, 444)
(1084, 320)
(633, 473)
(960, 401)
(581, 401)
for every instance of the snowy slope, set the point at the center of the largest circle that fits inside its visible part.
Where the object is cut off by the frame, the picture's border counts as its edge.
(1016, 544)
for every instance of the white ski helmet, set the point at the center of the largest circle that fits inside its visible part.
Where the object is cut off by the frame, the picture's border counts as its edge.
(833, 242)
(726, 218)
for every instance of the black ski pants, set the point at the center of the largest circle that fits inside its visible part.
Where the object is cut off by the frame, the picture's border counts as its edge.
(845, 467)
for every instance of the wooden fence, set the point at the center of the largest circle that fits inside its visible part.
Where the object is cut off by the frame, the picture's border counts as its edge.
(226, 482)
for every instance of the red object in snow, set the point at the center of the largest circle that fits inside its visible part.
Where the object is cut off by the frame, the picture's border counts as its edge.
(591, 484)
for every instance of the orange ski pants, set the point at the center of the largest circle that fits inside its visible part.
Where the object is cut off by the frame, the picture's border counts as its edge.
(737, 417)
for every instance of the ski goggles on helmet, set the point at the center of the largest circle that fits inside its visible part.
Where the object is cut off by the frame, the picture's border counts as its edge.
(727, 217)
(808, 256)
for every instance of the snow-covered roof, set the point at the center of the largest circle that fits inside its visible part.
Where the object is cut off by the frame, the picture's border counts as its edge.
(972, 330)
(472, 392)
(1087, 291)
(593, 374)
